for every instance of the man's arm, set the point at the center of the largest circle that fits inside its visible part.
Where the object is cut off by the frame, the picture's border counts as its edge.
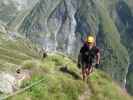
(98, 58)
(80, 57)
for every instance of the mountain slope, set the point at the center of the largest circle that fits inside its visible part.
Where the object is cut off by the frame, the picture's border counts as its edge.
(122, 14)
(7, 10)
(61, 77)
(64, 83)
(16, 21)
(57, 26)
(10, 8)
(14, 50)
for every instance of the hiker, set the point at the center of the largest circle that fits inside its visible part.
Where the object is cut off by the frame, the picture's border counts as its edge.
(88, 53)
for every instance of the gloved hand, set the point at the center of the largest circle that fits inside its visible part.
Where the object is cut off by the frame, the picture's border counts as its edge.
(78, 65)
(97, 66)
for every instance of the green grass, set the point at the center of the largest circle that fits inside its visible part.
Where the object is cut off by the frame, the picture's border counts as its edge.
(104, 88)
(58, 85)
(54, 87)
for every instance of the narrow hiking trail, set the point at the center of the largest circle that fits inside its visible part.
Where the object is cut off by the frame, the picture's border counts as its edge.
(86, 95)
(88, 92)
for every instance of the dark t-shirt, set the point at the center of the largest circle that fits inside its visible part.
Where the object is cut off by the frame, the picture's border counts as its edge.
(88, 55)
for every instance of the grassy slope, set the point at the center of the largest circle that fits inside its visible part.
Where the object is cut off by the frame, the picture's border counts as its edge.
(15, 52)
(58, 85)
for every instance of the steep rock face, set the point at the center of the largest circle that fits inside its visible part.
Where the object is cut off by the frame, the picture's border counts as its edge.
(9, 9)
(52, 22)
(129, 83)
(57, 24)
(122, 13)
(7, 83)
(2, 28)
(125, 26)
(24, 4)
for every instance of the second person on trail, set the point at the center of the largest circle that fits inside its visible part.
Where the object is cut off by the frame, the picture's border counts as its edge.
(88, 53)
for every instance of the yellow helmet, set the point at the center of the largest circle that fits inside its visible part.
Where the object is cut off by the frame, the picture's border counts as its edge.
(90, 39)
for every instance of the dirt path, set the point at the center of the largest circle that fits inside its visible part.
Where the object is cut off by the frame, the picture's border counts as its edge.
(86, 95)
